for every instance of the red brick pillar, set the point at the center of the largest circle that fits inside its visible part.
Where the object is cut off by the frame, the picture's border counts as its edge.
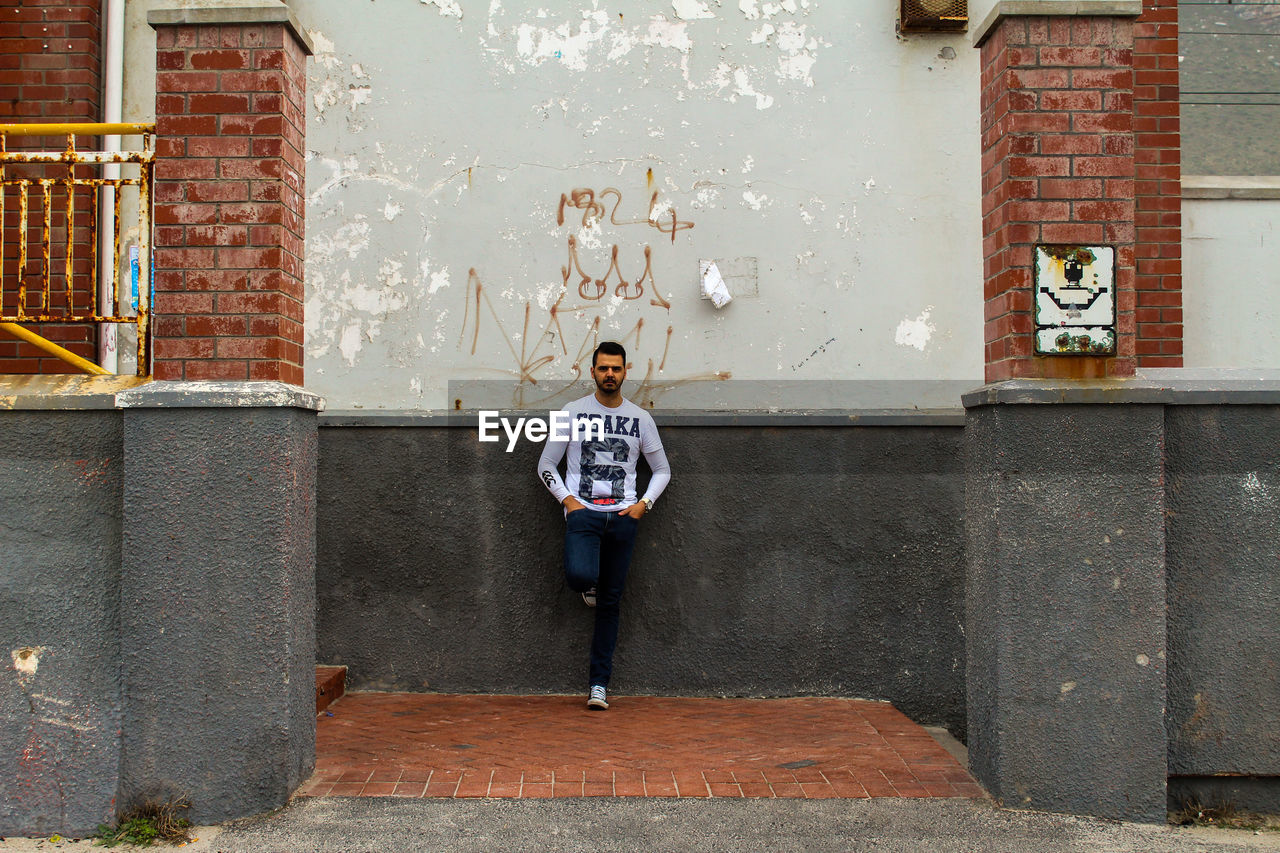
(230, 125)
(1057, 168)
(1158, 188)
(50, 71)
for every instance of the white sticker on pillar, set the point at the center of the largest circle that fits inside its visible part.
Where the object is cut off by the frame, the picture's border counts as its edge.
(1075, 300)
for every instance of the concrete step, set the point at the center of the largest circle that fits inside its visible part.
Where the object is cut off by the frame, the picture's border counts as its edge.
(331, 683)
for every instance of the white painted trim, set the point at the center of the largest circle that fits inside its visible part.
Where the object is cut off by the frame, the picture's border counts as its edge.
(1231, 186)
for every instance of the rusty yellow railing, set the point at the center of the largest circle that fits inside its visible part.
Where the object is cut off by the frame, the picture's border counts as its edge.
(36, 287)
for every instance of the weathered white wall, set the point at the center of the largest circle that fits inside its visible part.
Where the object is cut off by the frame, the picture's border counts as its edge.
(1231, 275)
(829, 165)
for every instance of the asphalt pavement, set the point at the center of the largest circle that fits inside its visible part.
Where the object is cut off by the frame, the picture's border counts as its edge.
(633, 825)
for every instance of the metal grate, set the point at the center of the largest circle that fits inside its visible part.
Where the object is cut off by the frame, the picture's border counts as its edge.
(933, 15)
(55, 207)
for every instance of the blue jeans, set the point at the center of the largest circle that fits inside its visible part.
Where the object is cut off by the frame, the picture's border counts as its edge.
(597, 552)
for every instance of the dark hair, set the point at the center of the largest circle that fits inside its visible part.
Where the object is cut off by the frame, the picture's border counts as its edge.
(609, 348)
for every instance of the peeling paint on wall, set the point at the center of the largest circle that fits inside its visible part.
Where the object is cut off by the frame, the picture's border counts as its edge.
(690, 10)
(535, 44)
(915, 333)
(333, 83)
(26, 661)
(754, 10)
(667, 34)
(582, 45)
(445, 7)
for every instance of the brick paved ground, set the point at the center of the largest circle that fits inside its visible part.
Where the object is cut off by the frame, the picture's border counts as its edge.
(415, 745)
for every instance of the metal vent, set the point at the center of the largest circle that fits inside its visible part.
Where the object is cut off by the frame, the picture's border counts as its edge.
(933, 15)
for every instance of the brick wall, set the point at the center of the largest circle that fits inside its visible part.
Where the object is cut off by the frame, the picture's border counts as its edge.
(50, 62)
(50, 71)
(230, 126)
(1057, 167)
(1158, 185)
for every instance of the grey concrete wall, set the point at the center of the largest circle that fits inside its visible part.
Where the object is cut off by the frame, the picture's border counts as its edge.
(1223, 487)
(218, 603)
(1065, 600)
(780, 561)
(60, 493)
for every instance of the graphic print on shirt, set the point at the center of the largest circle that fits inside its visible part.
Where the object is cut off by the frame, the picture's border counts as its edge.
(600, 477)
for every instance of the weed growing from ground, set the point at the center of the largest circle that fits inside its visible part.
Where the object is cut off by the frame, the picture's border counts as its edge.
(1222, 814)
(148, 824)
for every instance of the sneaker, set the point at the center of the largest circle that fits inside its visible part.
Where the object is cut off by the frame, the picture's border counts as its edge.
(590, 597)
(596, 700)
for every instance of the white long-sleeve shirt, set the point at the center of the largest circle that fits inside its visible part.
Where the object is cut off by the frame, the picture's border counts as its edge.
(603, 448)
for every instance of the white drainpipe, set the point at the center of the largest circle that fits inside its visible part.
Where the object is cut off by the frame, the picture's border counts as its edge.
(112, 104)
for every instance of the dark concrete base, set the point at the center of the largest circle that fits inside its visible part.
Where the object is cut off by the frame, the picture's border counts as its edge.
(1110, 522)
(1244, 793)
(780, 561)
(59, 620)
(157, 598)
(1065, 600)
(218, 599)
(786, 558)
(1223, 483)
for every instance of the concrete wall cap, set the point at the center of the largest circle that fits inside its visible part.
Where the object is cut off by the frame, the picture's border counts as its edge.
(217, 395)
(1231, 186)
(177, 13)
(1209, 374)
(1185, 391)
(63, 391)
(1009, 8)
(668, 418)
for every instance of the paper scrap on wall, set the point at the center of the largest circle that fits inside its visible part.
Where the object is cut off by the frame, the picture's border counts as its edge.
(713, 286)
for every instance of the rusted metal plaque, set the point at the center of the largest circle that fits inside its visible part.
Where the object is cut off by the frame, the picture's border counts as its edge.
(1075, 300)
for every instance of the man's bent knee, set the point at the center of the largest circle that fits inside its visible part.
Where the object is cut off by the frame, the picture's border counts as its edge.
(580, 578)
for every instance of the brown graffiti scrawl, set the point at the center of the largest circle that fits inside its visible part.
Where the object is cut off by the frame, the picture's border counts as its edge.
(530, 360)
(592, 210)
